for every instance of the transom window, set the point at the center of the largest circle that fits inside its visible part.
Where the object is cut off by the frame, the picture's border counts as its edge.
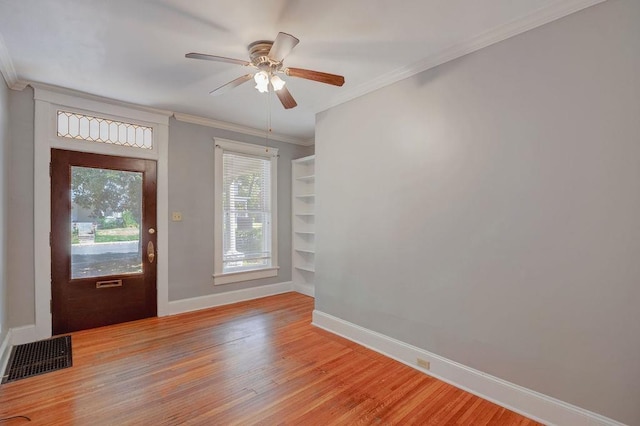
(95, 129)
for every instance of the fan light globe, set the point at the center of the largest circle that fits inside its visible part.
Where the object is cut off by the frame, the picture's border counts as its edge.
(277, 82)
(262, 81)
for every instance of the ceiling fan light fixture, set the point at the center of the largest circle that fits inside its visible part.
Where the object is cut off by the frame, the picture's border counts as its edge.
(266, 59)
(277, 82)
(262, 81)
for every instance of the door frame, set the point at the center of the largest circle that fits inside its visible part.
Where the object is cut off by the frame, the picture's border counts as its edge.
(47, 102)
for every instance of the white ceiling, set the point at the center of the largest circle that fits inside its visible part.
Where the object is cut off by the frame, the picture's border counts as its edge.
(133, 50)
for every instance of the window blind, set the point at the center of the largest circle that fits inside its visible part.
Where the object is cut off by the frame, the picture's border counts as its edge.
(246, 207)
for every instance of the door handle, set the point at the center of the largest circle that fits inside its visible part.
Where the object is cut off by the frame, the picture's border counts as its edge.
(151, 254)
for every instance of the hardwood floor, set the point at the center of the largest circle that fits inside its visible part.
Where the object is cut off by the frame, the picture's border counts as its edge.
(256, 362)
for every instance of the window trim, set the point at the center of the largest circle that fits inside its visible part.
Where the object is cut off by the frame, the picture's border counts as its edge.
(222, 145)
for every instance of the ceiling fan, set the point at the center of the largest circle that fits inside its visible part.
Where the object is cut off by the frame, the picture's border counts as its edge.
(267, 57)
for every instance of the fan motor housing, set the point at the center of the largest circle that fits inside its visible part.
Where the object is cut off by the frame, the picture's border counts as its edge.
(259, 54)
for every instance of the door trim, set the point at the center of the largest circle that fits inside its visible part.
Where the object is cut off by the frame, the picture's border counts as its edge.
(47, 100)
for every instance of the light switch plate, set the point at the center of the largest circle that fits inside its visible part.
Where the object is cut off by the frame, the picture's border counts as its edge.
(176, 216)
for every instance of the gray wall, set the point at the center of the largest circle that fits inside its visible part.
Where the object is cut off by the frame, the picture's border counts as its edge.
(18, 282)
(190, 191)
(191, 160)
(488, 210)
(21, 279)
(17, 207)
(4, 203)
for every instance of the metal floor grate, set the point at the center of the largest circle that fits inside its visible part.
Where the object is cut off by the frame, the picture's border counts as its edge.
(36, 358)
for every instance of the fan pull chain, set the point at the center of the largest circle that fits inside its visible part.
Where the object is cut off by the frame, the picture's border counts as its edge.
(266, 146)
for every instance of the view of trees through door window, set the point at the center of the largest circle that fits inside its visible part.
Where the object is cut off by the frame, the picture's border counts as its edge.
(106, 211)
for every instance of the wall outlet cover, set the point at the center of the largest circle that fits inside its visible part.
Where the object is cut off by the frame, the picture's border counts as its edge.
(423, 363)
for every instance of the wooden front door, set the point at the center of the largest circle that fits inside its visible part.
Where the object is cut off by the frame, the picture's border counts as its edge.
(103, 240)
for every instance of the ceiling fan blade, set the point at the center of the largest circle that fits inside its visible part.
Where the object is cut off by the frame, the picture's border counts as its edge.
(282, 46)
(216, 58)
(230, 85)
(322, 77)
(285, 97)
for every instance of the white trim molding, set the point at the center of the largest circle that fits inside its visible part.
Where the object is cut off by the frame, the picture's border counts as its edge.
(88, 102)
(223, 146)
(529, 403)
(25, 334)
(7, 70)
(5, 351)
(238, 128)
(538, 18)
(47, 100)
(226, 298)
(306, 289)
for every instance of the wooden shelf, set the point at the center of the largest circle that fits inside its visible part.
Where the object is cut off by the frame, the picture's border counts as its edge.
(303, 196)
(305, 250)
(306, 160)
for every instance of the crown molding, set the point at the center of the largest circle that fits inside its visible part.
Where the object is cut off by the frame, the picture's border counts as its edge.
(57, 94)
(43, 89)
(7, 70)
(232, 127)
(517, 26)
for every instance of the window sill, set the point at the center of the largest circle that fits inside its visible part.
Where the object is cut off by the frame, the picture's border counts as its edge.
(234, 277)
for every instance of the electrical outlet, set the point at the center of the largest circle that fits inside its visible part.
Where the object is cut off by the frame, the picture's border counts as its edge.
(176, 216)
(423, 363)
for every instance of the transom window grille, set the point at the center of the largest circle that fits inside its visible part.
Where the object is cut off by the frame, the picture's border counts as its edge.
(95, 129)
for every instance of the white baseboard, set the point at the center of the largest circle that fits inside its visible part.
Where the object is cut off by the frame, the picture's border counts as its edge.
(25, 334)
(219, 299)
(29, 333)
(16, 336)
(529, 403)
(306, 289)
(5, 351)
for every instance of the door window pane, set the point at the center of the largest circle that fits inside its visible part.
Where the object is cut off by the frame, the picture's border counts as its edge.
(106, 211)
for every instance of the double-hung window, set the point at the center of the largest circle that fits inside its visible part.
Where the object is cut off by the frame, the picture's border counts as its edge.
(245, 212)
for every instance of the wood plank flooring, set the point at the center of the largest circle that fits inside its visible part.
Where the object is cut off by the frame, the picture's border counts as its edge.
(256, 362)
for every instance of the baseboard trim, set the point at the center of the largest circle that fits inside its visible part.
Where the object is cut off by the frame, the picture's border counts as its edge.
(306, 289)
(527, 402)
(16, 336)
(25, 334)
(219, 299)
(5, 351)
